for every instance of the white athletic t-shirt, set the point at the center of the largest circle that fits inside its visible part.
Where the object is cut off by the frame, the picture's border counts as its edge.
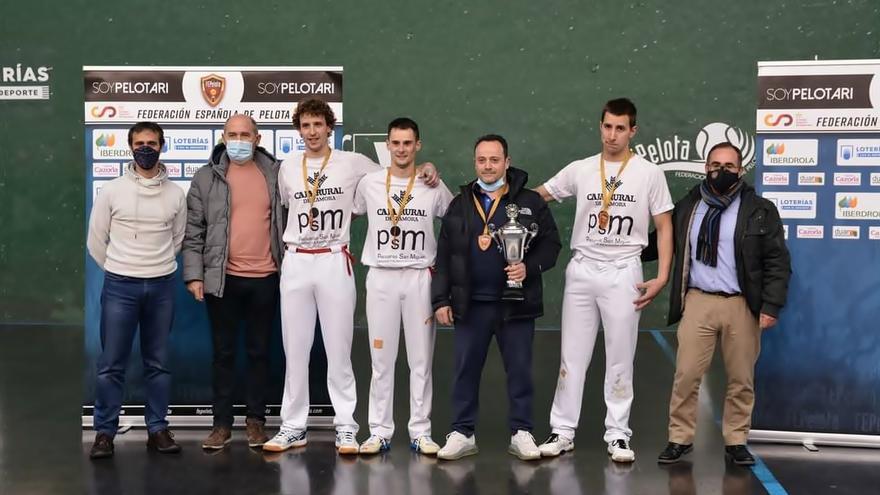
(415, 246)
(642, 193)
(331, 218)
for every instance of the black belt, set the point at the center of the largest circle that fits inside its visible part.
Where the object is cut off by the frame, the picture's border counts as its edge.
(721, 294)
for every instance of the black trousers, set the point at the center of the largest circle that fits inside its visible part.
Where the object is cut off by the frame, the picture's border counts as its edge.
(473, 335)
(253, 301)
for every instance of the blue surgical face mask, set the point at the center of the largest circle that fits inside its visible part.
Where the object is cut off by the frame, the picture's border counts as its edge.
(146, 157)
(240, 151)
(494, 186)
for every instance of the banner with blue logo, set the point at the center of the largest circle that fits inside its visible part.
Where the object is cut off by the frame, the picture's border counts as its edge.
(191, 104)
(818, 136)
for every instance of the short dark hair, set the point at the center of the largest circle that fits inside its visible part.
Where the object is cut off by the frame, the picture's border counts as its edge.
(404, 123)
(146, 126)
(492, 137)
(620, 106)
(726, 144)
(316, 107)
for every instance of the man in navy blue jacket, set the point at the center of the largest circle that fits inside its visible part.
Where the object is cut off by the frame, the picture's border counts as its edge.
(468, 288)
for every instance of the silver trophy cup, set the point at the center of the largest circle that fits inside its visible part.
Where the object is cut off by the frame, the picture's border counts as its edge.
(513, 240)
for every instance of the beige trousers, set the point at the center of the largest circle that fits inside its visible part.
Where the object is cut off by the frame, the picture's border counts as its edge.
(707, 318)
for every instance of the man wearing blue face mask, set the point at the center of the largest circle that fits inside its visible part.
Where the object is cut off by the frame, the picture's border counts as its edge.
(135, 231)
(231, 254)
(468, 291)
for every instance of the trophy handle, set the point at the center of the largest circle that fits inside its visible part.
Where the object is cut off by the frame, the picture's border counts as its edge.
(531, 234)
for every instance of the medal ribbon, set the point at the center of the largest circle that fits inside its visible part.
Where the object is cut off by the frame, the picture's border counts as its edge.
(395, 217)
(495, 204)
(312, 194)
(608, 191)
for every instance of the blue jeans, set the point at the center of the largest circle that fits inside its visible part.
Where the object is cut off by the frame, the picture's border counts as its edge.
(129, 303)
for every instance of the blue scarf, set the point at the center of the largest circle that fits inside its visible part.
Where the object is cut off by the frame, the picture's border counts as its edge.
(710, 229)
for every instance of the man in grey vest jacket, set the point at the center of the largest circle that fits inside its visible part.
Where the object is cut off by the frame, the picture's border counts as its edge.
(231, 255)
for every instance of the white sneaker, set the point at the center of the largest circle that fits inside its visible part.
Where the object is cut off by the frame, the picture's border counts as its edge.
(620, 451)
(285, 439)
(522, 445)
(346, 443)
(424, 445)
(374, 445)
(458, 446)
(555, 445)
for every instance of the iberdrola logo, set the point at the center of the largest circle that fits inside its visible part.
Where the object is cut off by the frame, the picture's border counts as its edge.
(776, 149)
(848, 202)
(105, 140)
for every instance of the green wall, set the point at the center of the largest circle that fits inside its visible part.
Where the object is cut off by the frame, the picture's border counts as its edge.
(536, 72)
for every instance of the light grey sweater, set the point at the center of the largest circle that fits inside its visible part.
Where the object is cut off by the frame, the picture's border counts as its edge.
(137, 224)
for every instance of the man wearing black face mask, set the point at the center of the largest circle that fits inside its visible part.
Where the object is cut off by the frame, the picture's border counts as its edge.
(729, 281)
(135, 231)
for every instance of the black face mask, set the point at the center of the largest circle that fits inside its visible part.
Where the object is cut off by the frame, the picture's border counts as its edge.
(722, 180)
(146, 157)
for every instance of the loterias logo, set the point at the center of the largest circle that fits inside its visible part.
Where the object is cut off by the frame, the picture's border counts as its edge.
(687, 158)
(793, 204)
(17, 82)
(858, 152)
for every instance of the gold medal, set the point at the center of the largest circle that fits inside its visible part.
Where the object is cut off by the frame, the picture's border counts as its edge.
(312, 193)
(608, 189)
(395, 215)
(484, 241)
(603, 219)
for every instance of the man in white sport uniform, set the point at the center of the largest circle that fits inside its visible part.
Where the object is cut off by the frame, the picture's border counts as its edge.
(400, 249)
(617, 193)
(318, 186)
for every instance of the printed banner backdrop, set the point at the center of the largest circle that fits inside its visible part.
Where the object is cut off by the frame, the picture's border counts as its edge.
(818, 136)
(191, 104)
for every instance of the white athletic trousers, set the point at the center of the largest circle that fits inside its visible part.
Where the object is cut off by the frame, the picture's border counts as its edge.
(317, 285)
(597, 290)
(393, 293)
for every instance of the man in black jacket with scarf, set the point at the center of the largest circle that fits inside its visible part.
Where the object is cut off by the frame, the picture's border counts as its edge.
(729, 282)
(468, 287)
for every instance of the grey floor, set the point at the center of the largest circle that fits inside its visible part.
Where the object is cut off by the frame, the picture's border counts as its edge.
(43, 450)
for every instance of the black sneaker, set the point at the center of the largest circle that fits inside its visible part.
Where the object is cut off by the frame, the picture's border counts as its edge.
(673, 452)
(739, 454)
(103, 446)
(162, 441)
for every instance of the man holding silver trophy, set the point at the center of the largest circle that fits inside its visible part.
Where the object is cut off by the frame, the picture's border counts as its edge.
(495, 241)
